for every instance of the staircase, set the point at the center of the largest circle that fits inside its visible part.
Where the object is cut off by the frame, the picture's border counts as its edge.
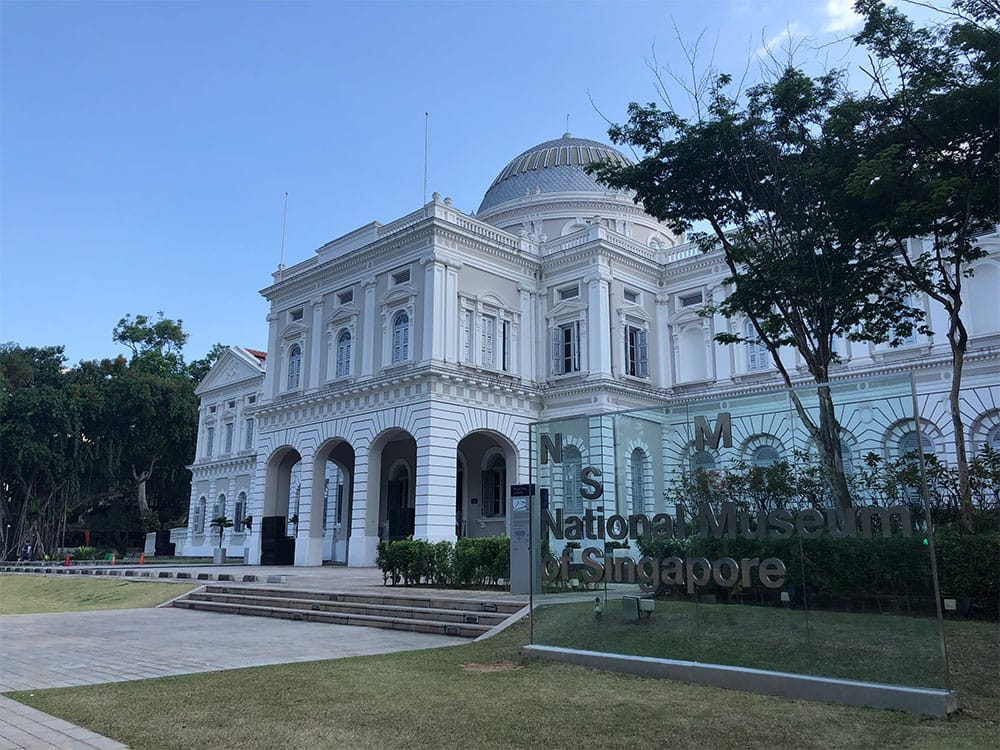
(465, 618)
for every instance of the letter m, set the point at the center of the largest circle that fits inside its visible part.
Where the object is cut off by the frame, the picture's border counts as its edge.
(703, 434)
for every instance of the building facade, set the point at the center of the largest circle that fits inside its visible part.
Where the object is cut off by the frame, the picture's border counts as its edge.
(406, 361)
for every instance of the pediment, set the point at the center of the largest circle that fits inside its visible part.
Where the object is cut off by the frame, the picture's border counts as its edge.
(234, 366)
(343, 314)
(567, 308)
(636, 312)
(397, 294)
(293, 330)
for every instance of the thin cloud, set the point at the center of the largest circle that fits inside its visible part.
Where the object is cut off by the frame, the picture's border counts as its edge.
(841, 16)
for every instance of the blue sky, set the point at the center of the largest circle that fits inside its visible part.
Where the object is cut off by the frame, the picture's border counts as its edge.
(145, 147)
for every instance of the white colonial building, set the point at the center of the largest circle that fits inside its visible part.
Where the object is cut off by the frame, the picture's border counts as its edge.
(406, 361)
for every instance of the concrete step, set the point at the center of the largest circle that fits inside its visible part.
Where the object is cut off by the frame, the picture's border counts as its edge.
(430, 601)
(463, 630)
(378, 609)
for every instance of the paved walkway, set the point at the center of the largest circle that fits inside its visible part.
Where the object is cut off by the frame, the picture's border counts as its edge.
(85, 648)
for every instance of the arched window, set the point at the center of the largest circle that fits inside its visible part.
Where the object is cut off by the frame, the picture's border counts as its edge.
(637, 474)
(219, 509)
(993, 439)
(240, 512)
(848, 458)
(294, 366)
(908, 444)
(494, 483)
(702, 460)
(764, 456)
(400, 337)
(572, 466)
(199, 515)
(343, 353)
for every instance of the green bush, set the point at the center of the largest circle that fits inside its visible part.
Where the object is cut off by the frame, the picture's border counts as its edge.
(891, 573)
(470, 562)
(85, 553)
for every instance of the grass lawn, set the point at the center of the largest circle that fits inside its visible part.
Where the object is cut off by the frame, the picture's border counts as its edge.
(33, 594)
(487, 695)
(854, 646)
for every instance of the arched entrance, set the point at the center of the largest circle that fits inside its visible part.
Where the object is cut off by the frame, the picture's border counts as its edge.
(488, 465)
(282, 498)
(396, 453)
(333, 493)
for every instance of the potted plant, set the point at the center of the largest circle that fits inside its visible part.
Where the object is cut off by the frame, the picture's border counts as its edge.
(221, 523)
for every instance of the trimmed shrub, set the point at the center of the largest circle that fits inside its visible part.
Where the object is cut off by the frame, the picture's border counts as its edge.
(470, 562)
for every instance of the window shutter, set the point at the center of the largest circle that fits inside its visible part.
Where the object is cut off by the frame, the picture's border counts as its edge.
(642, 354)
(556, 345)
(575, 346)
(505, 346)
(488, 343)
(467, 336)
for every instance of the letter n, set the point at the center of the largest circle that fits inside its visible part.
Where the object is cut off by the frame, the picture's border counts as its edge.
(550, 448)
(723, 432)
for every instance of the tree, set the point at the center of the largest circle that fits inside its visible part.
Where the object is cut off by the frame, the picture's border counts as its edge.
(155, 344)
(153, 411)
(929, 134)
(764, 171)
(221, 523)
(199, 368)
(41, 447)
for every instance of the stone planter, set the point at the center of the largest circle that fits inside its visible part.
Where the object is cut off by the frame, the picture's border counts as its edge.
(219, 555)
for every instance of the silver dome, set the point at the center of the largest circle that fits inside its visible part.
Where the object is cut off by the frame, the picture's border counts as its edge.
(557, 166)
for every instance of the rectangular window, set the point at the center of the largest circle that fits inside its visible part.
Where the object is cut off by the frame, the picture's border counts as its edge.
(401, 277)
(569, 292)
(689, 300)
(758, 357)
(631, 296)
(230, 428)
(566, 348)
(345, 297)
(248, 445)
(251, 399)
(295, 315)
(636, 352)
(209, 440)
(211, 410)
(230, 404)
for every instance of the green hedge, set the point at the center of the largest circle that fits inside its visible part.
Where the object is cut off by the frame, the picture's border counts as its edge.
(892, 574)
(469, 562)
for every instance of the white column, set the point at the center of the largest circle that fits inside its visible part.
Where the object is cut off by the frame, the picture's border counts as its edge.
(437, 466)
(721, 363)
(364, 530)
(272, 369)
(255, 503)
(433, 343)
(308, 547)
(664, 346)
(598, 326)
(451, 324)
(527, 333)
(368, 327)
(316, 345)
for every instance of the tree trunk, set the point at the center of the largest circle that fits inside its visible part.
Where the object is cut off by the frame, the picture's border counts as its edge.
(958, 337)
(831, 453)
